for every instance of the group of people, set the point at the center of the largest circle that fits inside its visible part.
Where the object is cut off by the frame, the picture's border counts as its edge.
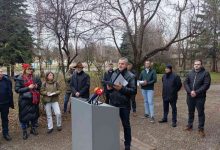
(29, 88)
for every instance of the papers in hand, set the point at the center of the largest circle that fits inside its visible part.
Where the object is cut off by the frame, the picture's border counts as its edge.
(140, 82)
(51, 94)
(121, 80)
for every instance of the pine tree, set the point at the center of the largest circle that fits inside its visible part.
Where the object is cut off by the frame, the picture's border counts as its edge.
(15, 37)
(208, 42)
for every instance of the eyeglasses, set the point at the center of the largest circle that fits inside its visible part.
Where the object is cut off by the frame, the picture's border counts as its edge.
(197, 64)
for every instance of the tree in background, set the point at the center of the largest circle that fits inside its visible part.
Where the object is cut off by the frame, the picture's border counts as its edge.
(208, 44)
(15, 37)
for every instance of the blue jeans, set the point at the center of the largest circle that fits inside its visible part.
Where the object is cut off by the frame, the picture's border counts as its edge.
(148, 102)
(66, 100)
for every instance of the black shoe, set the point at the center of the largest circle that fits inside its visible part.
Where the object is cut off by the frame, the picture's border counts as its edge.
(49, 131)
(152, 120)
(59, 128)
(25, 135)
(174, 124)
(34, 131)
(146, 115)
(127, 147)
(7, 137)
(163, 120)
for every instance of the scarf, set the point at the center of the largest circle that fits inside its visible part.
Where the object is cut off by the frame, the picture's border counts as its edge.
(35, 94)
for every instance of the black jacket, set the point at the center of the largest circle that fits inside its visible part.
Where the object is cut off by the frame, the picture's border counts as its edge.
(6, 94)
(198, 82)
(27, 110)
(171, 85)
(80, 82)
(122, 98)
(107, 77)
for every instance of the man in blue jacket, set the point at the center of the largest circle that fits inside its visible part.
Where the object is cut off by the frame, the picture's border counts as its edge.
(6, 101)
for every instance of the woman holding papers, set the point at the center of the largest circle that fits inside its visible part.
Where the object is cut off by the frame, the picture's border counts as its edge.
(50, 92)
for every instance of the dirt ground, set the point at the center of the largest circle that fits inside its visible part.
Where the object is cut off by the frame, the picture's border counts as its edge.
(157, 136)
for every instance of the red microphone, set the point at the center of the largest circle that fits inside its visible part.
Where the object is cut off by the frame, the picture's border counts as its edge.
(97, 93)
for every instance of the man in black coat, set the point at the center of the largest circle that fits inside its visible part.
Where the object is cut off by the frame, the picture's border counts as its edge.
(80, 82)
(107, 77)
(171, 85)
(120, 96)
(133, 101)
(6, 101)
(196, 85)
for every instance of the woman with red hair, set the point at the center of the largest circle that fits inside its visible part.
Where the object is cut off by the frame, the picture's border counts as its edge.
(29, 98)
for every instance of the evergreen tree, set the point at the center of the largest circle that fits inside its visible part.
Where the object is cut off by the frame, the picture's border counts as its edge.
(208, 43)
(15, 37)
(126, 48)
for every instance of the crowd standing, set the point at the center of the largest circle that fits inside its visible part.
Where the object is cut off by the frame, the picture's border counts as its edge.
(32, 91)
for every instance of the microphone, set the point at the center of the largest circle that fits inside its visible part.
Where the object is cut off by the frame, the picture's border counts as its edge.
(97, 93)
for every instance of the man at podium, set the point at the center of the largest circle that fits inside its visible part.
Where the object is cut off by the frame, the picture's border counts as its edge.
(121, 89)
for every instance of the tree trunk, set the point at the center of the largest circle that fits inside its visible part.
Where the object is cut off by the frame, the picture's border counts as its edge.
(8, 70)
(12, 70)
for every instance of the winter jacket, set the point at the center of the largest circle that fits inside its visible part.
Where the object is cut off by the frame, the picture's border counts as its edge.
(68, 79)
(198, 82)
(171, 85)
(27, 110)
(51, 87)
(122, 98)
(150, 77)
(6, 94)
(80, 82)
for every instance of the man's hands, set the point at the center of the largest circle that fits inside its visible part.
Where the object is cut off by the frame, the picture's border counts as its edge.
(117, 87)
(193, 93)
(77, 94)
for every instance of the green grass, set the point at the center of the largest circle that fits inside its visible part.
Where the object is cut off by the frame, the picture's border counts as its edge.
(215, 77)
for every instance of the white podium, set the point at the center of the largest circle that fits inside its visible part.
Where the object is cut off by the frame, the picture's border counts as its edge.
(94, 127)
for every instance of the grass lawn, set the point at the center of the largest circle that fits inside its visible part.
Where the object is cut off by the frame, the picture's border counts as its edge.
(215, 77)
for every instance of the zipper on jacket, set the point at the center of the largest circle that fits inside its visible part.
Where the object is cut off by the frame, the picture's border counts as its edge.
(194, 81)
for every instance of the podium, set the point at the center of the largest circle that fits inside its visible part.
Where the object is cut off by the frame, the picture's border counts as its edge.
(94, 127)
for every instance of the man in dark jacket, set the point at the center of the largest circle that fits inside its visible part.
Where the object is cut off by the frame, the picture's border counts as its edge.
(133, 101)
(147, 79)
(171, 85)
(80, 82)
(120, 96)
(6, 101)
(107, 77)
(196, 84)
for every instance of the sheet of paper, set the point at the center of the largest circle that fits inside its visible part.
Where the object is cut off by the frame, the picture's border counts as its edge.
(120, 79)
(51, 94)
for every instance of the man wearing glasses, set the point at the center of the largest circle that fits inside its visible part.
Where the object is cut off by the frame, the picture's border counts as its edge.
(196, 84)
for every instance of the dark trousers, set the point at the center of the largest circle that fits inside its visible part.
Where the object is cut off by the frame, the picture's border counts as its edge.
(133, 103)
(4, 110)
(125, 119)
(199, 104)
(107, 97)
(166, 110)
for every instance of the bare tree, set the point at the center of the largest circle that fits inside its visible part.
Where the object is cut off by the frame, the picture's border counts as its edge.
(68, 22)
(133, 17)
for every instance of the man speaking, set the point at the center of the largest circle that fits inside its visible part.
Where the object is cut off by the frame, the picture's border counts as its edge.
(120, 95)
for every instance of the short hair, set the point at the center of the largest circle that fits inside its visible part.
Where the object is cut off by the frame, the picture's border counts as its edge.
(198, 60)
(124, 59)
(47, 74)
(147, 61)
